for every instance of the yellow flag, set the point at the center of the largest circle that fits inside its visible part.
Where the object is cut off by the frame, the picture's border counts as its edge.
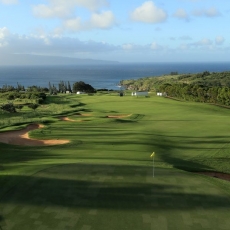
(152, 155)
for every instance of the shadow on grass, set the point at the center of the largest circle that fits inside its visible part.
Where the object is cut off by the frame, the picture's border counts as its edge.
(11, 154)
(1, 221)
(123, 121)
(56, 100)
(109, 187)
(77, 105)
(166, 149)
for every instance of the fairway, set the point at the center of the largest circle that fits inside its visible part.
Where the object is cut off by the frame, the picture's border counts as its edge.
(103, 178)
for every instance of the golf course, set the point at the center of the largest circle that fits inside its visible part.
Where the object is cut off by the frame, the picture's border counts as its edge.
(82, 162)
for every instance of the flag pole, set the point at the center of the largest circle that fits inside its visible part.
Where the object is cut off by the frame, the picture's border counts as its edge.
(152, 155)
(153, 166)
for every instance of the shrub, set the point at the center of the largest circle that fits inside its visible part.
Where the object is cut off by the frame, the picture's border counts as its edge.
(33, 106)
(9, 107)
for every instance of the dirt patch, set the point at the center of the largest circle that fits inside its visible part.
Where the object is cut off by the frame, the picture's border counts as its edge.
(21, 137)
(118, 116)
(223, 176)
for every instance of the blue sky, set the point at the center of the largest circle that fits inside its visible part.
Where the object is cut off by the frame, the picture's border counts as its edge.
(125, 31)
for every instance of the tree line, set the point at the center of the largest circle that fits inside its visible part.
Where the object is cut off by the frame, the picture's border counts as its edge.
(198, 93)
(37, 93)
(64, 87)
(200, 87)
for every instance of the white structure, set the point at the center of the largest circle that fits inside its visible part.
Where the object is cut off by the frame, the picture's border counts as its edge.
(79, 92)
(140, 93)
(161, 94)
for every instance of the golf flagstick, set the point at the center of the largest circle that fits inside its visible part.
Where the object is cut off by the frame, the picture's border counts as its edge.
(152, 155)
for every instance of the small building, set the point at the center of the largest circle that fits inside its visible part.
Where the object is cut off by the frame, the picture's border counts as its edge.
(160, 94)
(140, 93)
(79, 92)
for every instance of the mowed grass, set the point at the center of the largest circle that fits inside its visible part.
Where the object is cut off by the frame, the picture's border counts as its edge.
(103, 179)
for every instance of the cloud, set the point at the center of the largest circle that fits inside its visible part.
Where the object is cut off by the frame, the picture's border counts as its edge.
(55, 11)
(73, 24)
(104, 20)
(219, 40)
(9, 2)
(64, 8)
(184, 47)
(127, 46)
(181, 14)
(4, 33)
(203, 42)
(155, 46)
(148, 12)
(211, 12)
(49, 45)
(66, 11)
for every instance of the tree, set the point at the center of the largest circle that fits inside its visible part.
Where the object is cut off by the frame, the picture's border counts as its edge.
(19, 107)
(9, 107)
(82, 86)
(69, 87)
(33, 106)
(50, 89)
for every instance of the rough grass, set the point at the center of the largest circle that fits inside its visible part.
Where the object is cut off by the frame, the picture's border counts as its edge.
(103, 178)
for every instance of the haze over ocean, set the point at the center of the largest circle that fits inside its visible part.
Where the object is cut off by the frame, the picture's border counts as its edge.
(100, 76)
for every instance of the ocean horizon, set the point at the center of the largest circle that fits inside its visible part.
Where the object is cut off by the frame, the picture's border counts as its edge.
(99, 76)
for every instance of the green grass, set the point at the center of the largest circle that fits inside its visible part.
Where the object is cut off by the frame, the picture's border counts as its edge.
(103, 178)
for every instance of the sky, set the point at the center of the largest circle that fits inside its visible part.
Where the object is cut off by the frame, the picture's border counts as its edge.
(117, 30)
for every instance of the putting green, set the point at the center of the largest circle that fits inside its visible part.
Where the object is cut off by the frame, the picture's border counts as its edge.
(104, 196)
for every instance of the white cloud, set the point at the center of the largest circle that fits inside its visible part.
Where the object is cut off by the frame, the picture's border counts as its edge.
(49, 45)
(148, 12)
(4, 32)
(203, 42)
(74, 24)
(127, 46)
(103, 21)
(64, 8)
(45, 11)
(9, 2)
(155, 46)
(181, 14)
(211, 12)
(219, 40)
(183, 47)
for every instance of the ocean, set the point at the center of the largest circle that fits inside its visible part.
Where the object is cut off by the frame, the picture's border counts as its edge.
(100, 76)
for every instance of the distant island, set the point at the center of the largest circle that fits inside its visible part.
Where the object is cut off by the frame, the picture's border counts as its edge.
(41, 60)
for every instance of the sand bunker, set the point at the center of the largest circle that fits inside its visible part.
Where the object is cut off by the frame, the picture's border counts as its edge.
(21, 137)
(83, 114)
(68, 119)
(223, 176)
(118, 116)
